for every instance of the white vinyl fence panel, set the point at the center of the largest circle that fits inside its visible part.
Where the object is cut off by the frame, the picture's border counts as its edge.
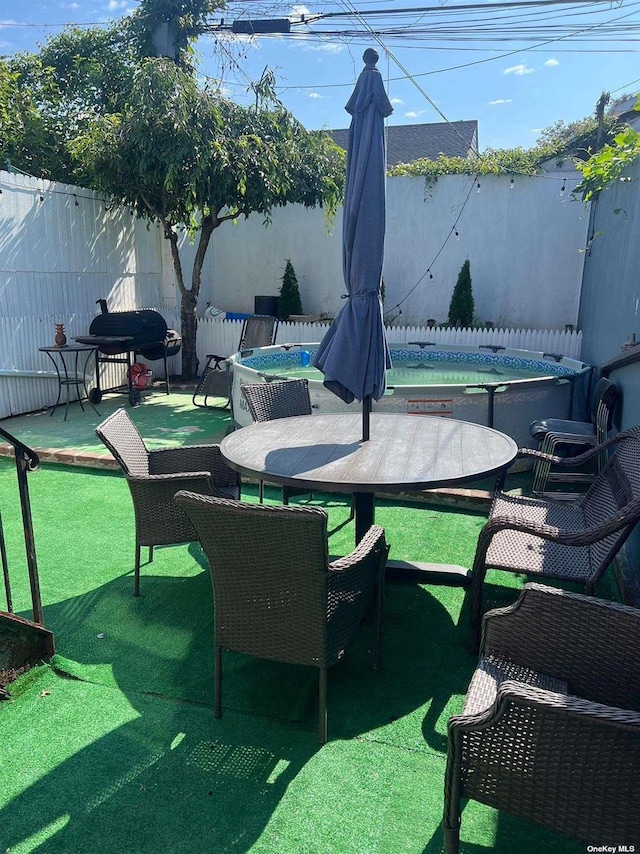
(222, 336)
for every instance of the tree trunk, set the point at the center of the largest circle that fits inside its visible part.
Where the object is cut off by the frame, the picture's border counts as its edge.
(188, 330)
(189, 297)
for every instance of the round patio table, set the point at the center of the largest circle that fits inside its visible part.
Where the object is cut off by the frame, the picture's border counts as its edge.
(404, 453)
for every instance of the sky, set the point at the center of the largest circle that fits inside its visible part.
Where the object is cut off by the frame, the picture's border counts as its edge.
(516, 68)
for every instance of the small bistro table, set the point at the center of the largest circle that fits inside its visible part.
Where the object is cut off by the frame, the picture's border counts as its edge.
(71, 370)
(404, 453)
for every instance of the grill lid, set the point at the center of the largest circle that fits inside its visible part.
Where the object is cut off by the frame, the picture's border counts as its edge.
(144, 327)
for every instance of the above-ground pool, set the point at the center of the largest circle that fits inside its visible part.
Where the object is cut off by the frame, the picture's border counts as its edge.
(505, 389)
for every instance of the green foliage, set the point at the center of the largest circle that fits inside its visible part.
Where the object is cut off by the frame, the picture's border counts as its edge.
(177, 151)
(78, 76)
(24, 137)
(462, 306)
(491, 163)
(608, 164)
(576, 139)
(290, 302)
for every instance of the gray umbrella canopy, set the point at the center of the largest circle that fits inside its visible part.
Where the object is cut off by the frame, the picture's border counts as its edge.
(353, 355)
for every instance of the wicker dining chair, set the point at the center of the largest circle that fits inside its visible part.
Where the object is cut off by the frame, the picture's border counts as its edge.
(553, 434)
(258, 330)
(550, 728)
(154, 477)
(277, 595)
(278, 399)
(566, 541)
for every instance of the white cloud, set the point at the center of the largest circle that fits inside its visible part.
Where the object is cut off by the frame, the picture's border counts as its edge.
(535, 130)
(6, 23)
(300, 10)
(519, 69)
(325, 47)
(397, 101)
(414, 114)
(551, 62)
(316, 95)
(70, 6)
(501, 101)
(114, 5)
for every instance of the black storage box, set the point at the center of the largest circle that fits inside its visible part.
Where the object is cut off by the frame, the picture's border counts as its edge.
(266, 305)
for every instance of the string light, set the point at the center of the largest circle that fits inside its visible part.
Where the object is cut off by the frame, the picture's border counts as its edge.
(563, 187)
(478, 190)
(75, 200)
(511, 184)
(457, 234)
(41, 197)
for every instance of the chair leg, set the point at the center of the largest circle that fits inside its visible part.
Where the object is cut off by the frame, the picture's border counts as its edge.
(217, 682)
(477, 580)
(451, 840)
(379, 608)
(285, 496)
(322, 715)
(150, 554)
(136, 573)
(451, 815)
(261, 492)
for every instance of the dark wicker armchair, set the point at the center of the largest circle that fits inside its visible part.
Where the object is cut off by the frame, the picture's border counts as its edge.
(154, 477)
(278, 399)
(550, 728)
(258, 330)
(276, 593)
(567, 541)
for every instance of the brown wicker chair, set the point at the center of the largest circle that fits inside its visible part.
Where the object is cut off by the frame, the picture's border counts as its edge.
(550, 728)
(154, 477)
(278, 399)
(258, 330)
(567, 541)
(276, 593)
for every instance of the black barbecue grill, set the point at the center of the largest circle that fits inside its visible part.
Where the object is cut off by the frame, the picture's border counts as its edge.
(120, 336)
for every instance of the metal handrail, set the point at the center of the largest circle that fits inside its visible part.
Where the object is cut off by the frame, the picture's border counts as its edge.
(26, 460)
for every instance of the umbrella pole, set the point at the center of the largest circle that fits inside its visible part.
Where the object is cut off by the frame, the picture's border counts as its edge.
(366, 412)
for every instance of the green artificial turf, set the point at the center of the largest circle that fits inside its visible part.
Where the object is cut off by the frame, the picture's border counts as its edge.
(165, 420)
(113, 747)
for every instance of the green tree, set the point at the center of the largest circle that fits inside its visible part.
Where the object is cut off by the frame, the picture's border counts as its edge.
(77, 76)
(608, 164)
(179, 155)
(290, 302)
(461, 307)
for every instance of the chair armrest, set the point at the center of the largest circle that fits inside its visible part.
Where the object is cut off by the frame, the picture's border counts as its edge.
(591, 643)
(541, 456)
(196, 458)
(192, 480)
(584, 537)
(513, 694)
(373, 540)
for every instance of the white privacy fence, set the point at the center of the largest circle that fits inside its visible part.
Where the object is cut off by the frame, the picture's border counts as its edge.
(28, 381)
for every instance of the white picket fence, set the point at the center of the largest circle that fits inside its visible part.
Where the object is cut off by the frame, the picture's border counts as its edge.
(222, 336)
(28, 380)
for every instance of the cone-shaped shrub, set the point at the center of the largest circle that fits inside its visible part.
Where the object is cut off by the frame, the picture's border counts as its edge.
(461, 306)
(290, 302)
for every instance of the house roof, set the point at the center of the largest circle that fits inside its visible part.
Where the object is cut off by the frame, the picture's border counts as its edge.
(406, 143)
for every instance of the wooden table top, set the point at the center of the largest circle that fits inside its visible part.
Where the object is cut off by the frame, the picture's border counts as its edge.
(404, 452)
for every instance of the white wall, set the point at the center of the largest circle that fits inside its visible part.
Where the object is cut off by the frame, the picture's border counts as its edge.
(524, 243)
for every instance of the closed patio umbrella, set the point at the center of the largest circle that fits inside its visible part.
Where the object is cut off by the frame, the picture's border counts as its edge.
(353, 355)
